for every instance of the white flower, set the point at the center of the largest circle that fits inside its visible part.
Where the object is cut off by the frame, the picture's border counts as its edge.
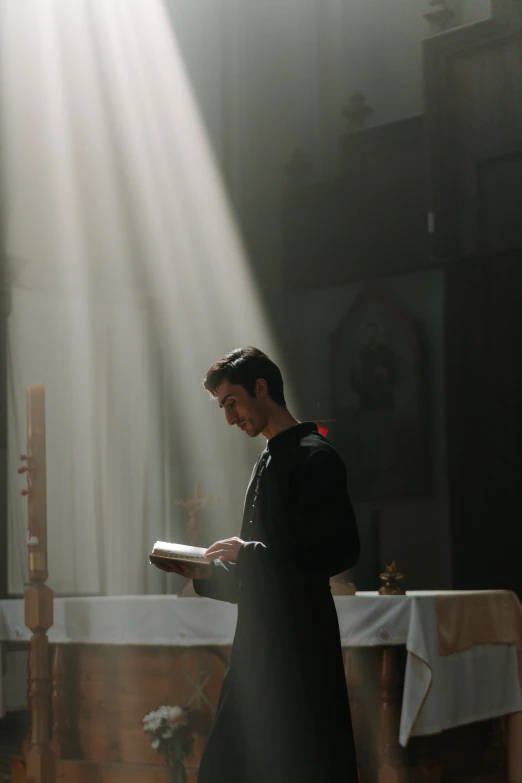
(176, 717)
(151, 723)
(164, 721)
(151, 720)
(155, 744)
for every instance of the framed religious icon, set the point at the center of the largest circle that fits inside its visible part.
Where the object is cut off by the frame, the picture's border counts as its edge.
(378, 399)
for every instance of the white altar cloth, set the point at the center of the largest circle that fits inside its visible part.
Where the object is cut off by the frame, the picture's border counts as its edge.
(440, 692)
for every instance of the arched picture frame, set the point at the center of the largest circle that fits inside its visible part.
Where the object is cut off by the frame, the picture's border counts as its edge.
(377, 399)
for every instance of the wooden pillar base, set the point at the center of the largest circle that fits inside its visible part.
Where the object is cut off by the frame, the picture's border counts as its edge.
(392, 768)
(388, 774)
(515, 748)
(40, 765)
(18, 769)
(61, 743)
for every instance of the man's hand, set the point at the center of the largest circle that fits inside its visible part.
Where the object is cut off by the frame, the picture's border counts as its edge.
(226, 551)
(187, 570)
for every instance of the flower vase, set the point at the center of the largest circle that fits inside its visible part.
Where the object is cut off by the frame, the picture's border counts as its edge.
(176, 773)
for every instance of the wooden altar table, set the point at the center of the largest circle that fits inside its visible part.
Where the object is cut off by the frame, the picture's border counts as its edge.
(432, 678)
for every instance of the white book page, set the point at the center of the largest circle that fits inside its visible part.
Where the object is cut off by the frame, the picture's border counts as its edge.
(182, 550)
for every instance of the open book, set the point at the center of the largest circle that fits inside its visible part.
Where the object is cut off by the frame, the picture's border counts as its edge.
(164, 553)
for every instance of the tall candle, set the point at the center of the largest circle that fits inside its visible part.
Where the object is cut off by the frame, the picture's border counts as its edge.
(36, 480)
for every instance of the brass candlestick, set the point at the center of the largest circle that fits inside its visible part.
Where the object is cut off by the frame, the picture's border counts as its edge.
(391, 579)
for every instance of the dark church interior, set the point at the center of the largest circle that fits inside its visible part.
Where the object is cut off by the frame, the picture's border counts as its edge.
(380, 207)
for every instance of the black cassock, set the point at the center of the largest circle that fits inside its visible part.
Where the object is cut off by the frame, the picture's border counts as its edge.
(283, 714)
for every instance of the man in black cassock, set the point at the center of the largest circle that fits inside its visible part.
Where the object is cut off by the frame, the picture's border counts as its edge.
(283, 714)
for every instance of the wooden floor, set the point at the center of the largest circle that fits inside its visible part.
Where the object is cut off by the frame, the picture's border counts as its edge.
(94, 772)
(88, 772)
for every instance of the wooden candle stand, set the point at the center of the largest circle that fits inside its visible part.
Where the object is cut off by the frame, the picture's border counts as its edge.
(40, 760)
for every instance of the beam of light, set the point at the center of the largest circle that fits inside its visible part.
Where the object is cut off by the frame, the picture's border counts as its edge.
(134, 282)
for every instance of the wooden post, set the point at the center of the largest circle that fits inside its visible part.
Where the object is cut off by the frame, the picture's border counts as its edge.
(40, 759)
(392, 768)
(26, 743)
(353, 682)
(61, 739)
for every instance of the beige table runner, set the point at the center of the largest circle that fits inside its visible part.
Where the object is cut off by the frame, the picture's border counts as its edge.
(467, 620)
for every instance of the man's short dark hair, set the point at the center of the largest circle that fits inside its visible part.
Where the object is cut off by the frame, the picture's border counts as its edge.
(244, 367)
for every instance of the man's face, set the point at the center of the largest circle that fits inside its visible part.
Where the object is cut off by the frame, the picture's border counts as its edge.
(246, 412)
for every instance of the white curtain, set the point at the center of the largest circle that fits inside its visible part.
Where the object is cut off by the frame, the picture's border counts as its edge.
(99, 418)
(129, 280)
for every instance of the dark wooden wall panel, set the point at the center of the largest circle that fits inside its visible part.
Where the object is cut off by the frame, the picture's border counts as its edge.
(484, 414)
(473, 117)
(474, 132)
(500, 203)
(370, 221)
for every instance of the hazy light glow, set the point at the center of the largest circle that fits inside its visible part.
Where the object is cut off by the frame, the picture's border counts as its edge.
(134, 280)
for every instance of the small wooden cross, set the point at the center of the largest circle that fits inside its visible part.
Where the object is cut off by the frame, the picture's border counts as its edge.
(194, 506)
